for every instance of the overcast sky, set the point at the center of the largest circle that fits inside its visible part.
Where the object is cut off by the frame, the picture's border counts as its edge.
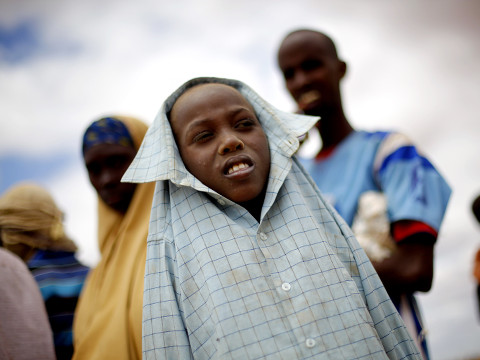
(412, 66)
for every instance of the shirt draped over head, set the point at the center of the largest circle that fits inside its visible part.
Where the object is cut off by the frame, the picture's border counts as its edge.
(221, 285)
(109, 315)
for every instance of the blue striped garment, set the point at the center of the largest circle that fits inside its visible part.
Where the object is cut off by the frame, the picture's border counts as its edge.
(60, 278)
(387, 162)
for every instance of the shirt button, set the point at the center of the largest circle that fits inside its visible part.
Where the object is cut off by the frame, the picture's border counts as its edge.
(286, 286)
(310, 343)
(263, 236)
(221, 201)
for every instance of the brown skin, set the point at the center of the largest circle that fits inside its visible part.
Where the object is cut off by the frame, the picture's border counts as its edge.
(410, 269)
(310, 65)
(106, 164)
(216, 128)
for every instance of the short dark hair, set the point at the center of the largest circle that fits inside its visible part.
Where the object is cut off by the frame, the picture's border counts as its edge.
(323, 36)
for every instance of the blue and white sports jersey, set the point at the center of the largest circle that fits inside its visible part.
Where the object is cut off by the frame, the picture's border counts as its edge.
(386, 162)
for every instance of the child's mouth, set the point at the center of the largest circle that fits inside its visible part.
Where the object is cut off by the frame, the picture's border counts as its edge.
(237, 167)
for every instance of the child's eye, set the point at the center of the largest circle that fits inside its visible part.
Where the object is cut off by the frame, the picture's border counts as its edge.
(202, 137)
(244, 123)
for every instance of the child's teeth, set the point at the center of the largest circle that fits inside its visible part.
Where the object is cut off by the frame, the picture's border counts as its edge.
(237, 167)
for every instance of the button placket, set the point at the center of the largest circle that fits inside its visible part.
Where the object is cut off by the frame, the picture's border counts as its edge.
(309, 343)
(286, 286)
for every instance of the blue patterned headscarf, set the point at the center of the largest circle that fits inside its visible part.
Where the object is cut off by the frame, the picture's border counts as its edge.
(107, 130)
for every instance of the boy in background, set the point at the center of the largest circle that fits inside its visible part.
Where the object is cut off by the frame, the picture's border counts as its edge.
(379, 181)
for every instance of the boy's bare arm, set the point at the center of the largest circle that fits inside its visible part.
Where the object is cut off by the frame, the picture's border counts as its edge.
(409, 268)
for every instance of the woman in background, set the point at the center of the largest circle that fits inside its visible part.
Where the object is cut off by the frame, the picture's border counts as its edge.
(108, 323)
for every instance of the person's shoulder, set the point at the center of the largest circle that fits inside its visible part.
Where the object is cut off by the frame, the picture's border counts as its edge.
(9, 259)
(372, 136)
(378, 134)
(389, 137)
(12, 264)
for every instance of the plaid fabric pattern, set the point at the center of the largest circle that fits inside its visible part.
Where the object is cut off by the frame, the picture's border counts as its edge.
(220, 285)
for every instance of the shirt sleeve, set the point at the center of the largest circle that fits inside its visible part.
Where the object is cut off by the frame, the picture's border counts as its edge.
(414, 188)
(164, 333)
(404, 229)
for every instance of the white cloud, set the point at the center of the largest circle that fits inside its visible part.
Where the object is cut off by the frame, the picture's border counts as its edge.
(77, 198)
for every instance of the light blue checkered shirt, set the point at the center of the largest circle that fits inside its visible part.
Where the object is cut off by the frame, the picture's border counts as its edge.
(220, 285)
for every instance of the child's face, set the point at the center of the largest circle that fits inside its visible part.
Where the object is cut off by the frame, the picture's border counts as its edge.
(221, 141)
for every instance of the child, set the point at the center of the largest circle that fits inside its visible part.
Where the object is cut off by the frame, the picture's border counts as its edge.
(245, 260)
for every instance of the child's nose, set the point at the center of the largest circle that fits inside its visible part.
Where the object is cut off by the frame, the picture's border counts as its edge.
(230, 143)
